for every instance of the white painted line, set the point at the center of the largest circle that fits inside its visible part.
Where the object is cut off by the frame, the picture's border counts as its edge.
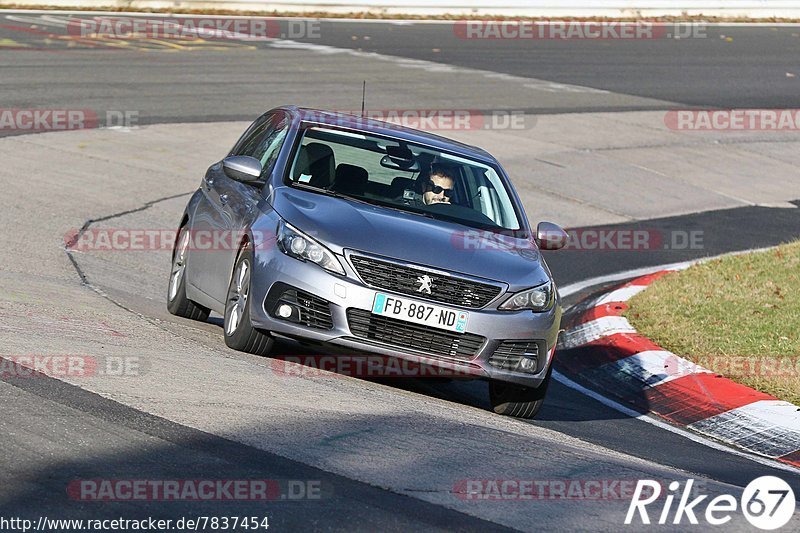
(764, 461)
(768, 427)
(776, 412)
(594, 330)
(623, 294)
(432, 66)
(572, 288)
(36, 21)
(654, 367)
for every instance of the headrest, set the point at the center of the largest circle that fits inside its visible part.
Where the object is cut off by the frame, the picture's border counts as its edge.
(351, 179)
(316, 160)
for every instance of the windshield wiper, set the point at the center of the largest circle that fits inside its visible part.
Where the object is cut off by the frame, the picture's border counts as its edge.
(403, 209)
(311, 188)
(327, 192)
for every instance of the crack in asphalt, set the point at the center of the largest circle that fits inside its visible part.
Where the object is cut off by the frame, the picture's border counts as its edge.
(82, 275)
(146, 205)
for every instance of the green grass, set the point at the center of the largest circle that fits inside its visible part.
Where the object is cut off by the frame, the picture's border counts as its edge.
(738, 316)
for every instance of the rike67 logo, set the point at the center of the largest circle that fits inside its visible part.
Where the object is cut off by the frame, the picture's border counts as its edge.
(767, 502)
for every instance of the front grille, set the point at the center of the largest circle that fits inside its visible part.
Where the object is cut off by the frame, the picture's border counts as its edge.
(508, 354)
(406, 335)
(314, 312)
(404, 279)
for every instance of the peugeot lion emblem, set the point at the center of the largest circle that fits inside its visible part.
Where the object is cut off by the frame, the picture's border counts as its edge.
(425, 283)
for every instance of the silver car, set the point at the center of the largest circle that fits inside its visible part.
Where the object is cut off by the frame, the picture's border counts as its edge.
(372, 238)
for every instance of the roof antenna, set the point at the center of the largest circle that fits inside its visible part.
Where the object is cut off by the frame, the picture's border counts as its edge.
(363, 97)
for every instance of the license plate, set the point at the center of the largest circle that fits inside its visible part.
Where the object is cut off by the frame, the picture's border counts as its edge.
(420, 313)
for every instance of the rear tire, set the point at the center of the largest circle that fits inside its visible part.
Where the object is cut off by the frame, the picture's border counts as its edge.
(177, 302)
(518, 401)
(239, 331)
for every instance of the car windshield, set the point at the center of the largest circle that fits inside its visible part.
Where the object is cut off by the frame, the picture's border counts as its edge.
(402, 175)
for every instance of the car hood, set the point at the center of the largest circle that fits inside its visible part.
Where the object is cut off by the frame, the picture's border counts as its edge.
(343, 224)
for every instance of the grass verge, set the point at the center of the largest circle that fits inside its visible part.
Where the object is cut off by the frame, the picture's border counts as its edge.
(738, 316)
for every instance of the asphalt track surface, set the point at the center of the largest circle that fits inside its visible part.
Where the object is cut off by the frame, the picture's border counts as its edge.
(722, 67)
(728, 67)
(112, 440)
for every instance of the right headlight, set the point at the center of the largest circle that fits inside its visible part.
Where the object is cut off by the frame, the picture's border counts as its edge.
(538, 299)
(297, 244)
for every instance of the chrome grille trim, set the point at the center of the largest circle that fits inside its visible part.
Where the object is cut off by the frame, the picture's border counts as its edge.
(447, 288)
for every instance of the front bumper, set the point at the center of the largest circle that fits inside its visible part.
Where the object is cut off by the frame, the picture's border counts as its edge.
(349, 292)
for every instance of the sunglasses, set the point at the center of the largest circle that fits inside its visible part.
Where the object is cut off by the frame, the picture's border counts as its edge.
(436, 189)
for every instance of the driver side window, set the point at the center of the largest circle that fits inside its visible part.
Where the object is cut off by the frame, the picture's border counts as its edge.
(264, 140)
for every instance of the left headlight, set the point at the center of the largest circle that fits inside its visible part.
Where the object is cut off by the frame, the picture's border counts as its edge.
(297, 244)
(538, 299)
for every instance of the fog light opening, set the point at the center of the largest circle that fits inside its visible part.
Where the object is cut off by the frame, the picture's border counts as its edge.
(285, 311)
(527, 364)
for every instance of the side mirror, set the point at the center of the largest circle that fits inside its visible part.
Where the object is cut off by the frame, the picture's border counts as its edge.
(242, 168)
(550, 236)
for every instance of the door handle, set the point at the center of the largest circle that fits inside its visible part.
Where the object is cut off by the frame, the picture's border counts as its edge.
(209, 182)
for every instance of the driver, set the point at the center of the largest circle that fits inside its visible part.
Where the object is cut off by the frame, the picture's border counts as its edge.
(435, 187)
(438, 188)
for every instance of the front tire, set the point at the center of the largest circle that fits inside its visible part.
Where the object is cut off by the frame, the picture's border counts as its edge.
(239, 331)
(516, 400)
(177, 302)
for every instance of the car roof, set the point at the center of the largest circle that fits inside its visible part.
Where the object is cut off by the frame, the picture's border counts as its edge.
(379, 127)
